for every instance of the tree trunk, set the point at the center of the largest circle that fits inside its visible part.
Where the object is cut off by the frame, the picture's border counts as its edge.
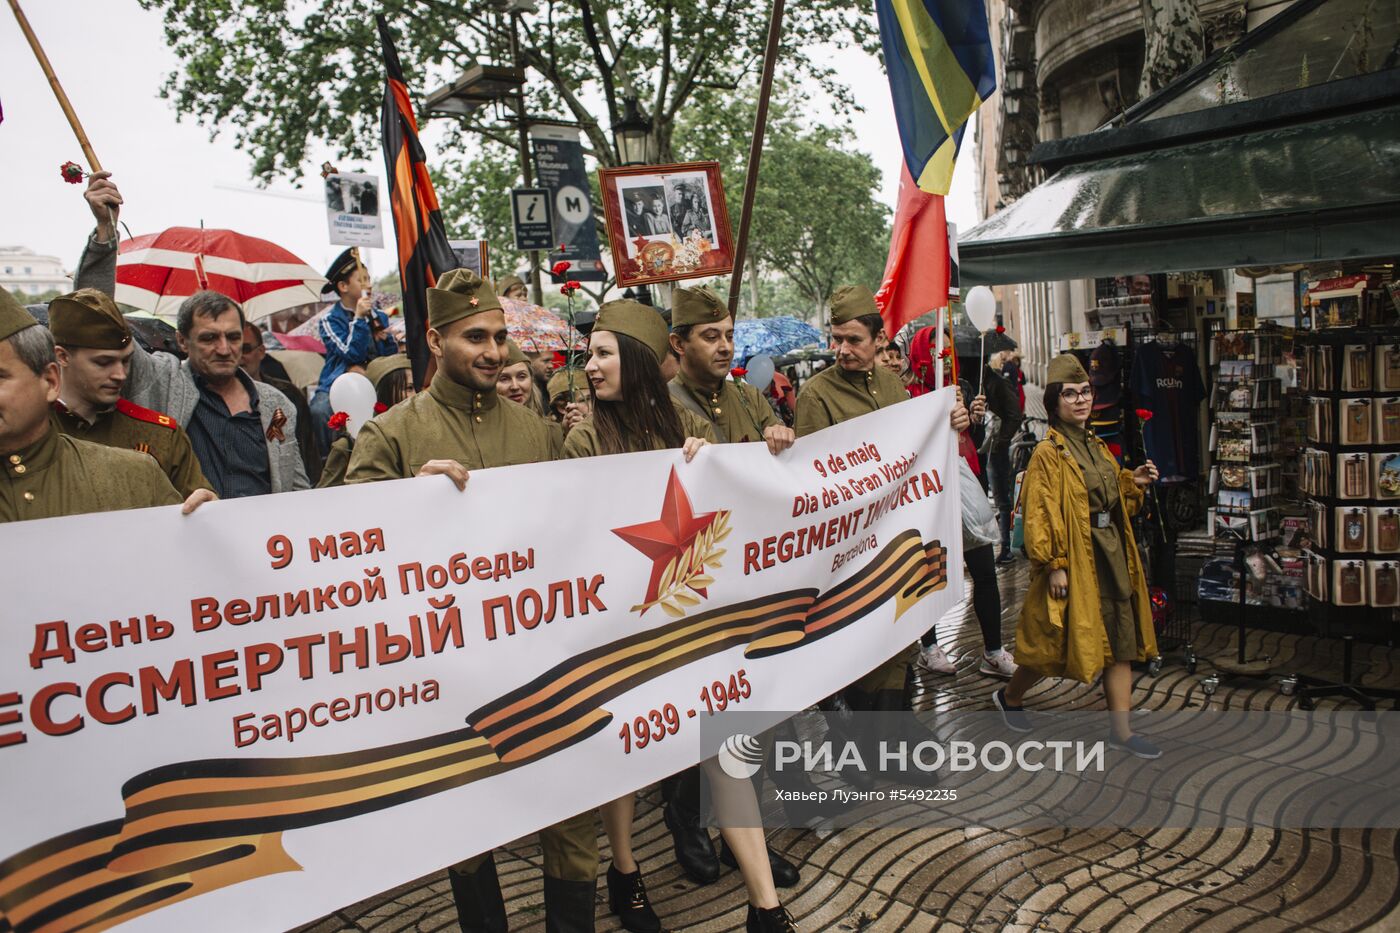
(1175, 42)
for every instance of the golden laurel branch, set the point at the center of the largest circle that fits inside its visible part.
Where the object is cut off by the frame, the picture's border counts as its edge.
(690, 571)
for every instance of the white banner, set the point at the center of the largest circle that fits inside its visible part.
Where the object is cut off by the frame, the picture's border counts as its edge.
(352, 210)
(246, 718)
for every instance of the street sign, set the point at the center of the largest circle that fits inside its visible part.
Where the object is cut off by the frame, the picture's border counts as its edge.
(534, 221)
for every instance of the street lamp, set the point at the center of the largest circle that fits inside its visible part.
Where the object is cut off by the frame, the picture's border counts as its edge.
(632, 135)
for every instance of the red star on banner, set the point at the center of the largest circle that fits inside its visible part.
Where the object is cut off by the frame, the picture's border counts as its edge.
(666, 538)
(641, 243)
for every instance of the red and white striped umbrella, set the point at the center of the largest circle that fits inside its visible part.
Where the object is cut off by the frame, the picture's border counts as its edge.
(157, 271)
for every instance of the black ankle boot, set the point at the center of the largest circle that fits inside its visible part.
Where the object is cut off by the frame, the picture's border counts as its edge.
(480, 906)
(842, 726)
(897, 723)
(695, 853)
(785, 874)
(627, 896)
(770, 920)
(569, 906)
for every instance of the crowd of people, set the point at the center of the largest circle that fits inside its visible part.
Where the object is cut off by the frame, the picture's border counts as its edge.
(91, 422)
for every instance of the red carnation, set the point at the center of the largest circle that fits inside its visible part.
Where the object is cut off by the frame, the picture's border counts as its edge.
(380, 408)
(945, 353)
(738, 372)
(571, 286)
(1000, 329)
(561, 267)
(563, 248)
(337, 421)
(1145, 414)
(559, 361)
(72, 172)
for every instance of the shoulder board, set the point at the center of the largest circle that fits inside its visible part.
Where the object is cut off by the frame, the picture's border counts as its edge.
(132, 410)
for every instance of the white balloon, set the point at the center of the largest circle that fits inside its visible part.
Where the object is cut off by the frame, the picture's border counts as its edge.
(353, 394)
(981, 307)
(760, 372)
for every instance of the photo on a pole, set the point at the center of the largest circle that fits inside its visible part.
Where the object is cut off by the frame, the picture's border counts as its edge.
(352, 209)
(667, 222)
(472, 254)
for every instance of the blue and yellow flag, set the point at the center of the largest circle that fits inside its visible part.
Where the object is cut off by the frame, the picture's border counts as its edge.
(939, 58)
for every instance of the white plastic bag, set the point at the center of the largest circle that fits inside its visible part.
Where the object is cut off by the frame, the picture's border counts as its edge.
(979, 520)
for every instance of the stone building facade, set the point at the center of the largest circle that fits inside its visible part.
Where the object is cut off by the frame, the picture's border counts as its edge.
(1066, 68)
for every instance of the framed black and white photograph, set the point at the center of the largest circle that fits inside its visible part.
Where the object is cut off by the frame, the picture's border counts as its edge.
(473, 255)
(352, 209)
(666, 222)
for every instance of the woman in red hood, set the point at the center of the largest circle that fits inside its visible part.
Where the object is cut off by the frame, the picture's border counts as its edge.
(980, 559)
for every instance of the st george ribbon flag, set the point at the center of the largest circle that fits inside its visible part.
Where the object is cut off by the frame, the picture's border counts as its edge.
(424, 252)
(941, 68)
(305, 707)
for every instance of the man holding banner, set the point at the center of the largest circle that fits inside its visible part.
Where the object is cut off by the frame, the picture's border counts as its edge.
(459, 424)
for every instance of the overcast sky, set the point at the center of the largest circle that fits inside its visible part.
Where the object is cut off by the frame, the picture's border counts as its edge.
(112, 59)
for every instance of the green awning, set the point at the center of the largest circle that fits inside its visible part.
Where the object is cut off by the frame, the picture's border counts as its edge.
(1324, 190)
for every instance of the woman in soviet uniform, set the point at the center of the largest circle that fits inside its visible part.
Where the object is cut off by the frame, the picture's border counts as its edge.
(1086, 610)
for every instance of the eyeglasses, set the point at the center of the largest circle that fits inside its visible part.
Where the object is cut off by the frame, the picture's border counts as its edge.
(1077, 395)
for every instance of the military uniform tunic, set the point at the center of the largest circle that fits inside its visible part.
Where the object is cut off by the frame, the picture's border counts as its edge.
(582, 441)
(737, 410)
(479, 430)
(61, 475)
(831, 397)
(132, 427)
(835, 395)
(450, 422)
(1110, 550)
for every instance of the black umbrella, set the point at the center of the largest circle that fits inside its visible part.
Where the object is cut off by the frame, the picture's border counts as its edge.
(967, 341)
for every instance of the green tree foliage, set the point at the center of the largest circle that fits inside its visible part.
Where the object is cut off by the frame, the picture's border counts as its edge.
(281, 75)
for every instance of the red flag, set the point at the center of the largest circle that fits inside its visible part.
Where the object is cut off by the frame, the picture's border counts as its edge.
(916, 273)
(424, 253)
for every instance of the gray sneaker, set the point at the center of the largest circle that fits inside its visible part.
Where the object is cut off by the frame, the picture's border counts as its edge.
(1136, 745)
(1014, 716)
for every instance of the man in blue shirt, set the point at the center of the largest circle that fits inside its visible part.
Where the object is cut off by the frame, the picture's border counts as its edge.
(353, 332)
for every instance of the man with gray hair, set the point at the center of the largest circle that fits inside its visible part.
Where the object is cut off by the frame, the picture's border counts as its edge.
(243, 432)
(47, 474)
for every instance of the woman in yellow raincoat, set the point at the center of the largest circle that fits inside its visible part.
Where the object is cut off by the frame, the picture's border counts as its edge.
(1086, 610)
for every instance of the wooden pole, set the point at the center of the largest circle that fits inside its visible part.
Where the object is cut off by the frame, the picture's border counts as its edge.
(93, 164)
(760, 124)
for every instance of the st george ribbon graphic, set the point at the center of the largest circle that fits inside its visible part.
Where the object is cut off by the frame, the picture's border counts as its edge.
(194, 826)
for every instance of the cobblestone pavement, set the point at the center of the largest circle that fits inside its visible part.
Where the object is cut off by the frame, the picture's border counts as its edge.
(878, 879)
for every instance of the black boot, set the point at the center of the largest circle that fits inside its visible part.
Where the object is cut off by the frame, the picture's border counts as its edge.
(480, 906)
(785, 873)
(805, 810)
(569, 906)
(898, 724)
(627, 896)
(695, 853)
(770, 920)
(843, 726)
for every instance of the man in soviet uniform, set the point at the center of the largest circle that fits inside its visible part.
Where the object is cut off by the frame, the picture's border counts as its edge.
(857, 384)
(44, 473)
(702, 340)
(460, 424)
(702, 336)
(94, 354)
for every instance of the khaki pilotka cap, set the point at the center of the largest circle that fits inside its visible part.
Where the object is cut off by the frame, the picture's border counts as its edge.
(696, 306)
(506, 284)
(559, 385)
(638, 321)
(88, 318)
(458, 294)
(381, 366)
(514, 354)
(13, 317)
(1067, 369)
(850, 302)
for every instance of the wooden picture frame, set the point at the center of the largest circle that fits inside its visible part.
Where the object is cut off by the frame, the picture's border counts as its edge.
(645, 206)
